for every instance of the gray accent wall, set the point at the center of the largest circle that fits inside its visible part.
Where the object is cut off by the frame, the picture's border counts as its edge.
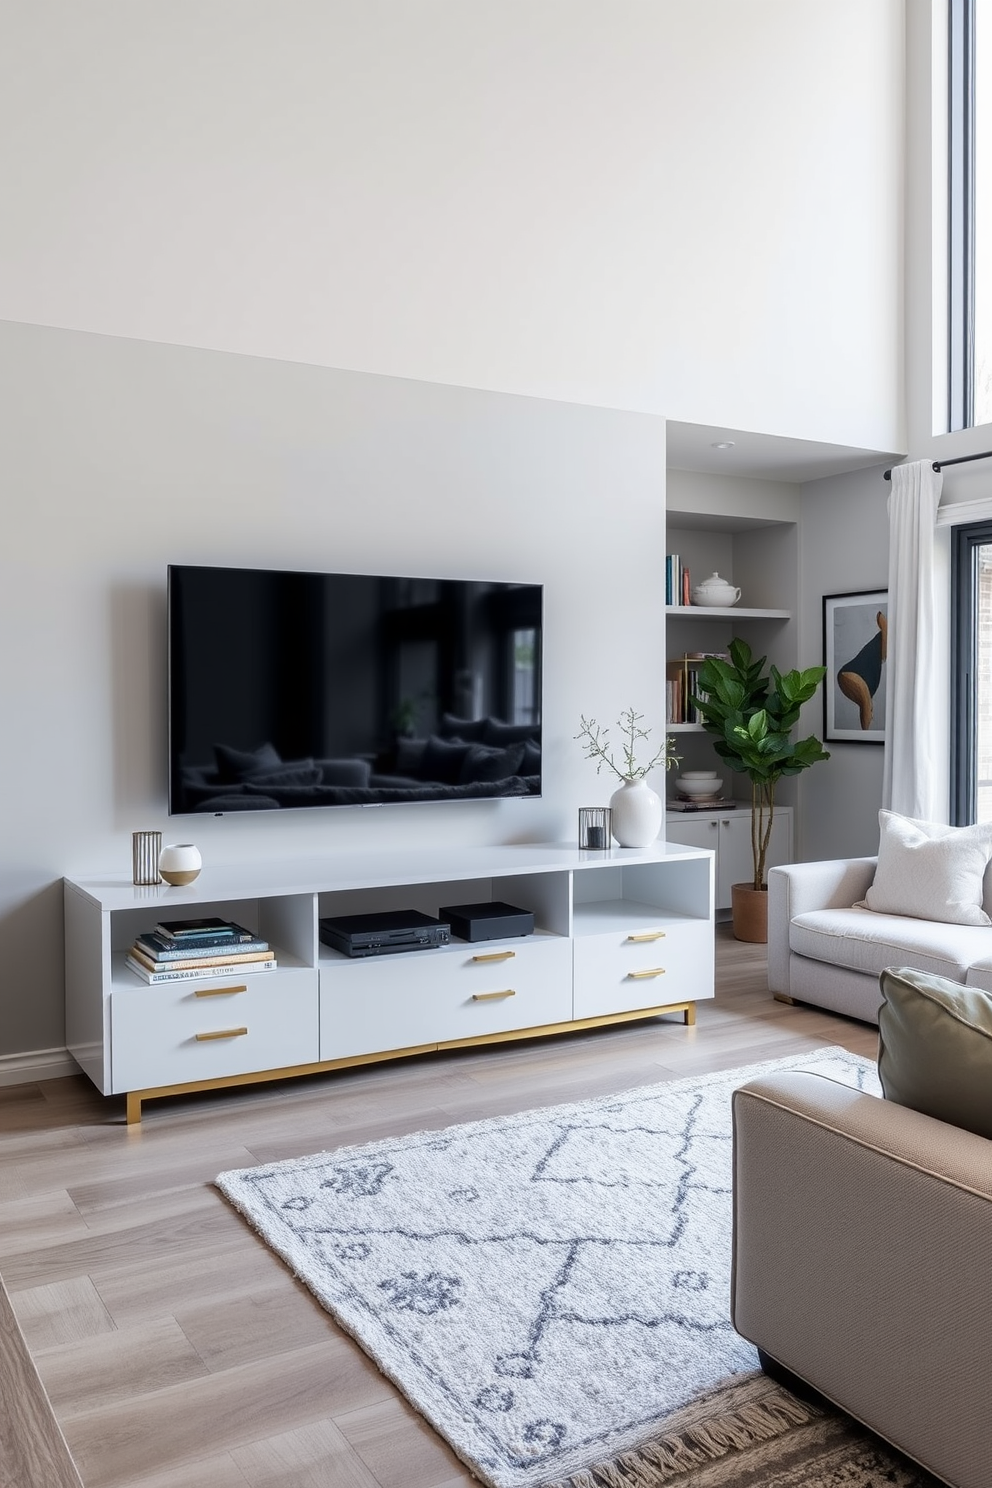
(120, 456)
(844, 547)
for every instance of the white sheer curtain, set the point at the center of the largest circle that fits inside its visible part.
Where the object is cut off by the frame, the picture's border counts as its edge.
(911, 783)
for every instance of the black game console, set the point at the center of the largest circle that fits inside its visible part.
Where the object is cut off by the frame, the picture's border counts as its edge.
(488, 921)
(380, 934)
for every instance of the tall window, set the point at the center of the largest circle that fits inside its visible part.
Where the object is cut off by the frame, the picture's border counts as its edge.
(972, 672)
(970, 213)
(983, 212)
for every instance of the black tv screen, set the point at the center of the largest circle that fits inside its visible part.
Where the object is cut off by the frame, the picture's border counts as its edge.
(292, 690)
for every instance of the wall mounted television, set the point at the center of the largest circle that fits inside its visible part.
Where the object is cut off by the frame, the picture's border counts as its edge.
(300, 690)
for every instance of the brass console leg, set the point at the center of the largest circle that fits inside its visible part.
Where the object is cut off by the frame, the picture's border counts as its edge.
(133, 1108)
(690, 1015)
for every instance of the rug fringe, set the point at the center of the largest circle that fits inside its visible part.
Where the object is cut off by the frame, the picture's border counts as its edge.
(657, 1462)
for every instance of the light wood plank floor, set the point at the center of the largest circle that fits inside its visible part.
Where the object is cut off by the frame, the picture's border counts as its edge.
(176, 1350)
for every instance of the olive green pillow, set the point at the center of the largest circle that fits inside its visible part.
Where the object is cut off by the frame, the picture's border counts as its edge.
(935, 1048)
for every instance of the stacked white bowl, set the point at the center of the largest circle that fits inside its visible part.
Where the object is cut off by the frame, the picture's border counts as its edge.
(699, 784)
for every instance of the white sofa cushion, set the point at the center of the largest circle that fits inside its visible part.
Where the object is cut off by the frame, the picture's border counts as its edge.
(860, 940)
(930, 871)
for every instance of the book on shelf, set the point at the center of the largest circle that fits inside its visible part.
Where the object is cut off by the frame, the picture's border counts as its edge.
(720, 805)
(209, 938)
(226, 958)
(200, 973)
(161, 949)
(680, 686)
(200, 929)
(677, 582)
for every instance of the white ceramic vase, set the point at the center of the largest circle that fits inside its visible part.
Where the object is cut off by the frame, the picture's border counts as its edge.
(637, 813)
(179, 862)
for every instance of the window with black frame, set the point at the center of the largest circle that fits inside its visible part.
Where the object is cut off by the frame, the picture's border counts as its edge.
(970, 213)
(971, 607)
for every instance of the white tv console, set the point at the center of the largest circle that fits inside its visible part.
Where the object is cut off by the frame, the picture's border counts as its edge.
(613, 931)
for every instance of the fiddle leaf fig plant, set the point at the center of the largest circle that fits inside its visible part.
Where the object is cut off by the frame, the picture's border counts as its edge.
(751, 713)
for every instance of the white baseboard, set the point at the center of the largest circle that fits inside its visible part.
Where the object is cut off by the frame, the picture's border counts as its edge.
(38, 1064)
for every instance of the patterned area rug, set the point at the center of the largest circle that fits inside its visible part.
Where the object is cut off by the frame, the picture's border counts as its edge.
(551, 1290)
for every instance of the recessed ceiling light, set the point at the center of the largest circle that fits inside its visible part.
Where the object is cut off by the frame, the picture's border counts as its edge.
(723, 444)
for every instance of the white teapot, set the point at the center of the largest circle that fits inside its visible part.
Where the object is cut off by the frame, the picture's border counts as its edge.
(715, 592)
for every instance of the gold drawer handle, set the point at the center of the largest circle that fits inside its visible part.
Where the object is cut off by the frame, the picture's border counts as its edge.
(648, 935)
(217, 991)
(202, 1038)
(496, 956)
(654, 971)
(491, 996)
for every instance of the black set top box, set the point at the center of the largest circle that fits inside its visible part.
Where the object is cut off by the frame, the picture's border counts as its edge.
(378, 934)
(488, 921)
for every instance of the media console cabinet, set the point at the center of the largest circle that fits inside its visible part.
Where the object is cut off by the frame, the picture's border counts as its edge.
(622, 934)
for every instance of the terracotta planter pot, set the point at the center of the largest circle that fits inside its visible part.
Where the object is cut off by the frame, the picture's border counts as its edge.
(749, 907)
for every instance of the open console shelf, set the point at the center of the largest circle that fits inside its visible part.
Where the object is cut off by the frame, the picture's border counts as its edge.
(618, 935)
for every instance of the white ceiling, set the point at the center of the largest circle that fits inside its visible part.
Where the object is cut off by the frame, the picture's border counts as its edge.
(765, 456)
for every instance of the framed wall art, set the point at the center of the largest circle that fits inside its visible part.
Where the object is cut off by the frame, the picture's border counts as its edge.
(855, 646)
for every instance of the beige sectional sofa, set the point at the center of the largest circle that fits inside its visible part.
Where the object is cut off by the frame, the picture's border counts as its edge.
(822, 949)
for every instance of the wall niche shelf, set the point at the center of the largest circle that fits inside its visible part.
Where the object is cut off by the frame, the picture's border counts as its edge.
(725, 612)
(750, 537)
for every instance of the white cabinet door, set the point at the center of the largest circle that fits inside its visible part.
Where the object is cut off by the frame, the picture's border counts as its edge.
(730, 838)
(735, 861)
(696, 831)
(735, 858)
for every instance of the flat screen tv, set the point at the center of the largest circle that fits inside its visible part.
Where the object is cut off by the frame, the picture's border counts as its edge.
(291, 690)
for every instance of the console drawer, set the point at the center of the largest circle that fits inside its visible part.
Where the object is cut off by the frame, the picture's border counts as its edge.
(436, 997)
(169, 1035)
(618, 972)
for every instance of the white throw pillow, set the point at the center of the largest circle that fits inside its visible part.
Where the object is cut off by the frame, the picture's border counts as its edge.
(930, 871)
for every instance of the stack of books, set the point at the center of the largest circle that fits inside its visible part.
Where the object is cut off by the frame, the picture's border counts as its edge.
(677, 581)
(681, 689)
(719, 803)
(180, 950)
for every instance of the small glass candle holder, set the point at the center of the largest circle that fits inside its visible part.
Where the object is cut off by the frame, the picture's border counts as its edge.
(595, 828)
(145, 849)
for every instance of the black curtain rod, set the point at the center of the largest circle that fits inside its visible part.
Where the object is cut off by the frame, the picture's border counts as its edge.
(940, 464)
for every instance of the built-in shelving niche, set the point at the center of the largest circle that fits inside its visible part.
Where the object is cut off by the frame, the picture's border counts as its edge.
(759, 556)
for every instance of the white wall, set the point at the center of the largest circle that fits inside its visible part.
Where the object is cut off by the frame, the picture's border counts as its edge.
(638, 204)
(692, 210)
(122, 456)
